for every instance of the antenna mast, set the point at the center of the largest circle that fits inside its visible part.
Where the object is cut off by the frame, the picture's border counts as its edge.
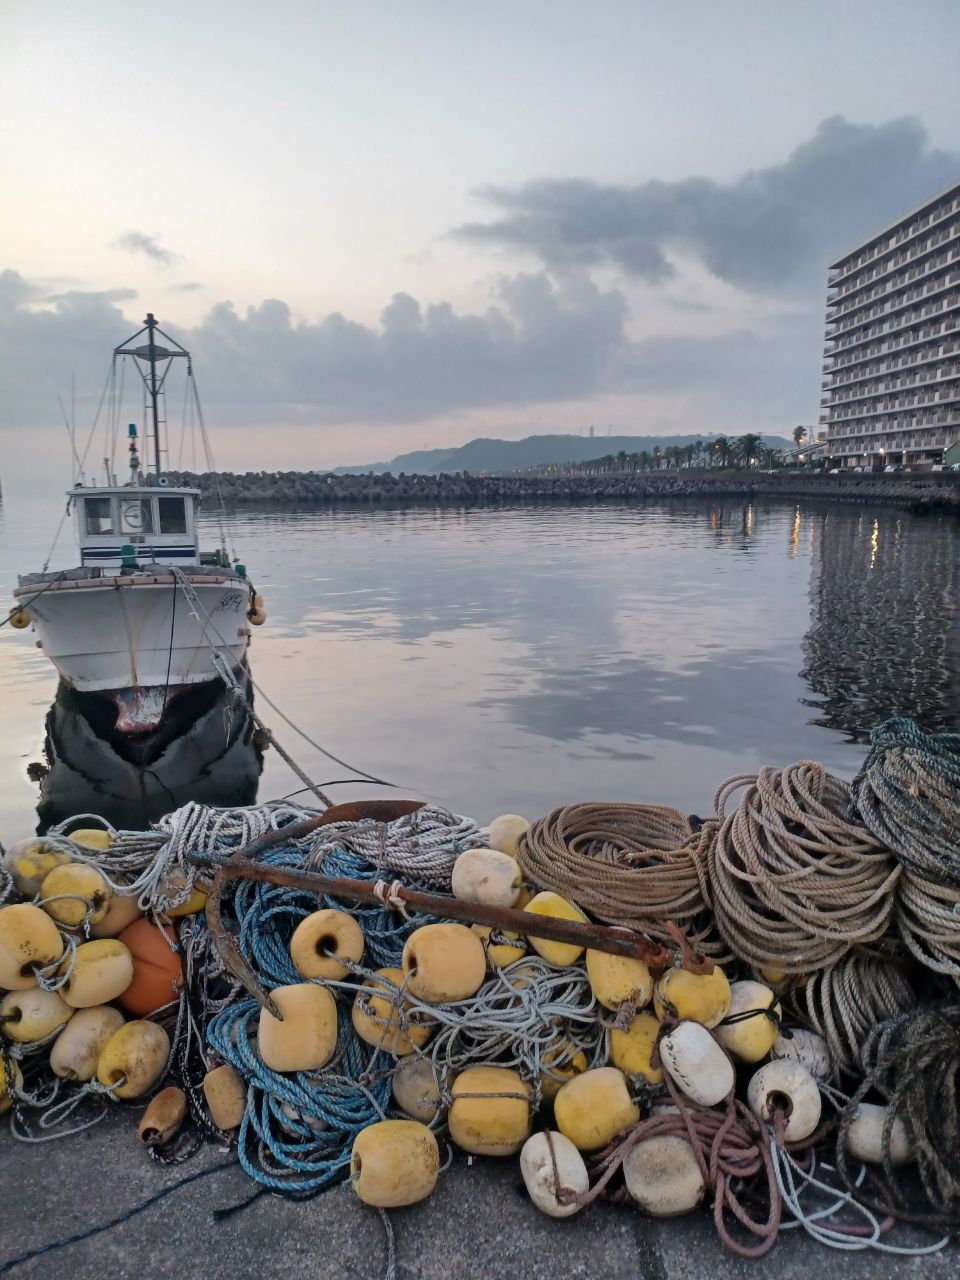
(151, 355)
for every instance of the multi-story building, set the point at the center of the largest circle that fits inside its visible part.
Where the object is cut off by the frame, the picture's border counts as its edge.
(891, 389)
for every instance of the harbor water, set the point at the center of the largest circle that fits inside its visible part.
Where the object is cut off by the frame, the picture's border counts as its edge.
(522, 657)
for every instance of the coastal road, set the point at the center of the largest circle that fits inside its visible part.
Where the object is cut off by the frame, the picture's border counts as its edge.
(477, 1223)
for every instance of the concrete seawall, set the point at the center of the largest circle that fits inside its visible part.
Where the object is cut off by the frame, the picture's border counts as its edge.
(932, 490)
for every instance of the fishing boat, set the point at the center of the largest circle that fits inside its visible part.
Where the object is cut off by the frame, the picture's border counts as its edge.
(146, 614)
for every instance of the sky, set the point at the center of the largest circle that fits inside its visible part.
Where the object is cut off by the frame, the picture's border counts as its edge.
(389, 226)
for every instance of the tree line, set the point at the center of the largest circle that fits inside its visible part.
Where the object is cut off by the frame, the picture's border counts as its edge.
(745, 451)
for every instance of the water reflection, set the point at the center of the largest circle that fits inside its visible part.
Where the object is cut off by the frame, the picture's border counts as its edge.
(885, 634)
(206, 750)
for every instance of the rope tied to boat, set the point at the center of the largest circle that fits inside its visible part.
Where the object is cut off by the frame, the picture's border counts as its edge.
(795, 880)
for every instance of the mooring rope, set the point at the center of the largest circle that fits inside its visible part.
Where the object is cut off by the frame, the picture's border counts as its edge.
(627, 864)
(795, 881)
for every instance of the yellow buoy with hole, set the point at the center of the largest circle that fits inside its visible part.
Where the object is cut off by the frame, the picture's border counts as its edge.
(134, 1059)
(28, 1016)
(257, 613)
(75, 892)
(443, 962)
(102, 970)
(226, 1096)
(321, 940)
(490, 1111)
(501, 946)
(486, 876)
(306, 1039)
(29, 940)
(552, 1168)
(594, 1107)
(614, 979)
(76, 1050)
(415, 1088)
(381, 1017)
(752, 1022)
(394, 1163)
(20, 619)
(693, 997)
(632, 1050)
(505, 832)
(29, 861)
(121, 911)
(560, 1064)
(663, 1176)
(548, 903)
(163, 1117)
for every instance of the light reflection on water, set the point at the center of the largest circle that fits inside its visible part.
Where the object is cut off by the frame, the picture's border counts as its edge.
(520, 658)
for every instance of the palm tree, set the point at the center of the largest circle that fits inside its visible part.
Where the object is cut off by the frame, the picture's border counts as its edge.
(644, 460)
(799, 435)
(747, 447)
(722, 450)
(657, 456)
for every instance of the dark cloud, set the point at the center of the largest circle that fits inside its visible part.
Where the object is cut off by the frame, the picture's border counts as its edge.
(771, 229)
(149, 246)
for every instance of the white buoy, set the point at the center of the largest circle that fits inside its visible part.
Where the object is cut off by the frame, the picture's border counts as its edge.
(790, 1088)
(663, 1176)
(697, 1064)
(865, 1136)
(797, 1044)
(544, 1158)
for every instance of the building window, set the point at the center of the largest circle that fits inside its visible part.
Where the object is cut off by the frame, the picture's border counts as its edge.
(173, 515)
(99, 516)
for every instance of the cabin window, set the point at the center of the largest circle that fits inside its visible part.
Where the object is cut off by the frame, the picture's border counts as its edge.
(173, 515)
(136, 515)
(99, 515)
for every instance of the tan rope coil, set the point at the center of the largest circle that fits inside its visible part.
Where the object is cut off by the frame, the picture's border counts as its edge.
(928, 920)
(628, 864)
(795, 882)
(847, 1000)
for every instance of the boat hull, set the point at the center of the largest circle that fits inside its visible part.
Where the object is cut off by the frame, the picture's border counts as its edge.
(138, 638)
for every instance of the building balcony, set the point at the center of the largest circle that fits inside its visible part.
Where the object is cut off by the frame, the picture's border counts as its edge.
(896, 265)
(895, 239)
(903, 278)
(907, 300)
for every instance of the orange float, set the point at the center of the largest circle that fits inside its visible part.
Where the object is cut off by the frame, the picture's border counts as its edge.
(157, 971)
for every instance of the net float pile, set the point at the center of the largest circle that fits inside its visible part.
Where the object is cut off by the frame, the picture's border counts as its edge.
(751, 1012)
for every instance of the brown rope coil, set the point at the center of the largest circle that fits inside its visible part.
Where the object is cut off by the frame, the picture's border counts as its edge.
(928, 921)
(628, 864)
(795, 882)
(847, 1000)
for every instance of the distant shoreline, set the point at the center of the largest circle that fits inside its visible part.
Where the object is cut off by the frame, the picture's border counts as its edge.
(927, 491)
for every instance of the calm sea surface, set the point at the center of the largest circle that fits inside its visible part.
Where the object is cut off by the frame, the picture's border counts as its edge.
(523, 658)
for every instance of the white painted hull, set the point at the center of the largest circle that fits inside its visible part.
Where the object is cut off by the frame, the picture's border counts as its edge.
(138, 633)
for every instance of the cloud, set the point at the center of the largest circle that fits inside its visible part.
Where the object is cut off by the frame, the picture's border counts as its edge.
(189, 286)
(770, 230)
(149, 246)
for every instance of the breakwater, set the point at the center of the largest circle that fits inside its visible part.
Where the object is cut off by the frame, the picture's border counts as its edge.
(922, 491)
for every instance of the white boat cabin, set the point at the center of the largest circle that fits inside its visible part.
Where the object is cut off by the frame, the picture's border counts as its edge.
(133, 526)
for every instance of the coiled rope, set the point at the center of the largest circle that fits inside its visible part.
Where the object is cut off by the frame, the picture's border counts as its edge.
(795, 880)
(847, 1000)
(627, 864)
(913, 1061)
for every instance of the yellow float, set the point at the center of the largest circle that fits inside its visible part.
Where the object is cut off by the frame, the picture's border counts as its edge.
(306, 1039)
(500, 954)
(321, 940)
(29, 1016)
(29, 861)
(415, 1088)
(594, 1107)
(163, 1117)
(134, 1059)
(102, 970)
(632, 1050)
(75, 892)
(548, 903)
(122, 910)
(615, 979)
(377, 1017)
(490, 1111)
(77, 1049)
(560, 1064)
(29, 940)
(693, 997)
(394, 1163)
(443, 962)
(751, 1023)
(226, 1096)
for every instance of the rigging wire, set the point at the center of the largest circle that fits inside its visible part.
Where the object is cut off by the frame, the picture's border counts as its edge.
(211, 467)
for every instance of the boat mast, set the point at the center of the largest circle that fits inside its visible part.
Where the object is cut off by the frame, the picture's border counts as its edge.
(152, 354)
(152, 357)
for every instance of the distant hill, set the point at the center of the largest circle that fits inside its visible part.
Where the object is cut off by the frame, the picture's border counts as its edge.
(492, 457)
